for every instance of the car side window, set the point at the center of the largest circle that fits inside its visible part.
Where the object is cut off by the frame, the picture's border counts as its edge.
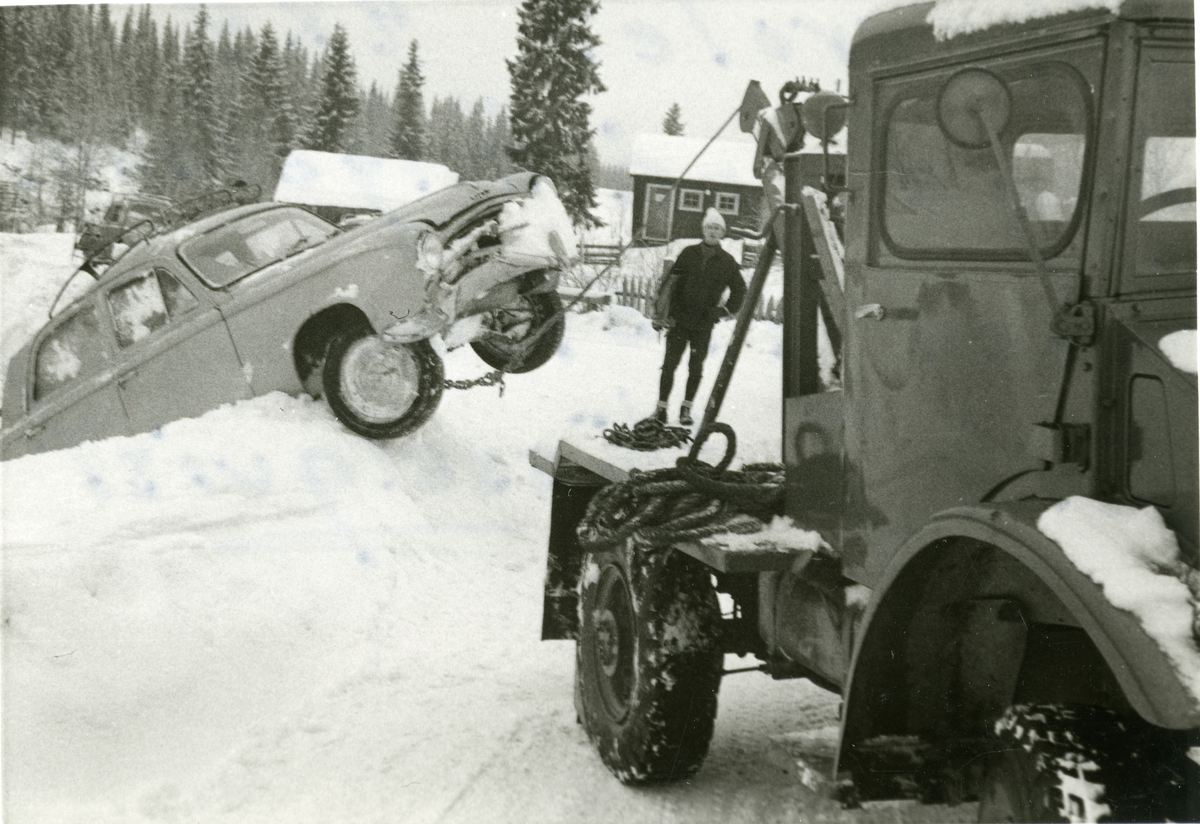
(145, 304)
(74, 350)
(175, 295)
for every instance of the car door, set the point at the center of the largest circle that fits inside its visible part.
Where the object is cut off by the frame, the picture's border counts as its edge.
(70, 393)
(177, 357)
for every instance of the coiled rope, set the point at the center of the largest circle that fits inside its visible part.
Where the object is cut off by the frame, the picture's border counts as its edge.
(686, 502)
(647, 435)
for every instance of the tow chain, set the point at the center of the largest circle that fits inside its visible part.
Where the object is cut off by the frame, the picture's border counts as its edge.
(648, 435)
(493, 378)
(686, 502)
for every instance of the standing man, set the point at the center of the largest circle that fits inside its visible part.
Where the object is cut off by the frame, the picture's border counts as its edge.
(703, 273)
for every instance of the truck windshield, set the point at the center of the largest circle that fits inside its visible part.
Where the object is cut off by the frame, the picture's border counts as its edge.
(946, 200)
(1162, 189)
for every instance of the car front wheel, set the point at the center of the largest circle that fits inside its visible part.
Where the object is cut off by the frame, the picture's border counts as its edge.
(506, 344)
(381, 389)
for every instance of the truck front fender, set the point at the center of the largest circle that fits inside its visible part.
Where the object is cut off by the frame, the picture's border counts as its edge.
(988, 553)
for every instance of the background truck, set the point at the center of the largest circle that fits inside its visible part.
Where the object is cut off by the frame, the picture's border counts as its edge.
(1003, 483)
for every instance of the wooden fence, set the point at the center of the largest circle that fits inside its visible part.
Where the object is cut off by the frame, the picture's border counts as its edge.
(601, 254)
(639, 293)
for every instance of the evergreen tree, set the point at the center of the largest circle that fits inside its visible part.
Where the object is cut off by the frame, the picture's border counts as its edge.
(552, 72)
(408, 131)
(496, 145)
(271, 111)
(204, 128)
(671, 124)
(339, 102)
(473, 143)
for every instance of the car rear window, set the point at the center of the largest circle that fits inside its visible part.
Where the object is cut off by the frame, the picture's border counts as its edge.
(230, 252)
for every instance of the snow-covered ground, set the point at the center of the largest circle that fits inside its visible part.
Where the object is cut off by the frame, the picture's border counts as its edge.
(258, 616)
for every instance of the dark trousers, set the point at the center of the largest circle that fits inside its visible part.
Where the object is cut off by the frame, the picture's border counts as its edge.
(678, 339)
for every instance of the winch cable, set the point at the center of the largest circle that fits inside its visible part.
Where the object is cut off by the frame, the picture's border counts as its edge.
(689, 501)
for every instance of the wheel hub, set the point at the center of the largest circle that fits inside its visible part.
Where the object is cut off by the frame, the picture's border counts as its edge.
(380, 380)
(613, 646)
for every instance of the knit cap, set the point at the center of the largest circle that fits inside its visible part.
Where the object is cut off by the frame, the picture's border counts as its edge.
(713, 218)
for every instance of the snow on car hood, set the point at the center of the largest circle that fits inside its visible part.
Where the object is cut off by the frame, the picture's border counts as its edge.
(526, 225)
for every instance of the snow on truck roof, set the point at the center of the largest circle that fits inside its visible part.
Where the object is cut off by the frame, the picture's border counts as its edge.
(312, 178)
(951, 18)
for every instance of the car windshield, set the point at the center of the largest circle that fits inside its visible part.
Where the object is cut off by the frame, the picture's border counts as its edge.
(230, 252)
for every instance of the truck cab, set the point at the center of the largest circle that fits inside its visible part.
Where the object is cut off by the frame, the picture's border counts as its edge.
(1019, 282)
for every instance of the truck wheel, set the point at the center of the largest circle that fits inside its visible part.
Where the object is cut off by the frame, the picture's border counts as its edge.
(508, 327)
(380, 389)
(648, 662)
(1074, 763)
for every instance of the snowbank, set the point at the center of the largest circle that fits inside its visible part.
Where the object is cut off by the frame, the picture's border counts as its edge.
(256, 615)
(1135, 558)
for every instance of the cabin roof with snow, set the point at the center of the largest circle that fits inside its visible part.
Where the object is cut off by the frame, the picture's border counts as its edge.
(313, 178)
(725, 161)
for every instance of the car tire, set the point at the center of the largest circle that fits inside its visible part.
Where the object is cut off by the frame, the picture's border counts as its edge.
(380, 389)
(508, 327)
(648, 661)
(1076, 763)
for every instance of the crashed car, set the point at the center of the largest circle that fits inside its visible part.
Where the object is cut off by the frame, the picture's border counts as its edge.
(269, 297)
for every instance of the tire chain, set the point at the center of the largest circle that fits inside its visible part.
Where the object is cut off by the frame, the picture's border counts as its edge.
(493, 378)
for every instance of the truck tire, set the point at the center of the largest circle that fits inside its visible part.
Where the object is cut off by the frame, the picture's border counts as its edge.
(1075, 763)
(508, 327)
(380, 389)
(648, 662)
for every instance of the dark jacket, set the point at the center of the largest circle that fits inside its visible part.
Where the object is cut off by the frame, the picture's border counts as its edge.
(699, 287)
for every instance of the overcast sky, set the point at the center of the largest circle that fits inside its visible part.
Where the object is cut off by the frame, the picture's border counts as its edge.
(697, 53)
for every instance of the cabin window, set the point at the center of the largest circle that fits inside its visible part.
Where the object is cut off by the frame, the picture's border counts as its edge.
(727, 203)
(691, 200)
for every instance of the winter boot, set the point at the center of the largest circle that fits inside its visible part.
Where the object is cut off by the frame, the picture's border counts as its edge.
(685, 414)
(660, 412)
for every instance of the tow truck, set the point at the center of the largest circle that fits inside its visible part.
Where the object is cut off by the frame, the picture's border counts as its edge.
(1019, 269)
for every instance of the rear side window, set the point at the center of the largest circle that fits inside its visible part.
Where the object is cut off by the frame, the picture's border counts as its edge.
(941, 199)
(74, 350)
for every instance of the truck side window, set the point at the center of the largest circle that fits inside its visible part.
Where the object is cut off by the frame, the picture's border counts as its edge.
(944, 200)
(74, 350)
(1162, 202)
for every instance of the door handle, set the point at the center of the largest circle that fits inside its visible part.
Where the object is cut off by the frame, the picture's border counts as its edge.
(34, 430)
(127, 377)
(870, 310)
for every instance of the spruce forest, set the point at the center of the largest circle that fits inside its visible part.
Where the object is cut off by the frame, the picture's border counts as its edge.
(205, 108)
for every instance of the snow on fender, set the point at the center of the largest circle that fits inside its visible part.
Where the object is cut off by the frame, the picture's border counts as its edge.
(1132, 555)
